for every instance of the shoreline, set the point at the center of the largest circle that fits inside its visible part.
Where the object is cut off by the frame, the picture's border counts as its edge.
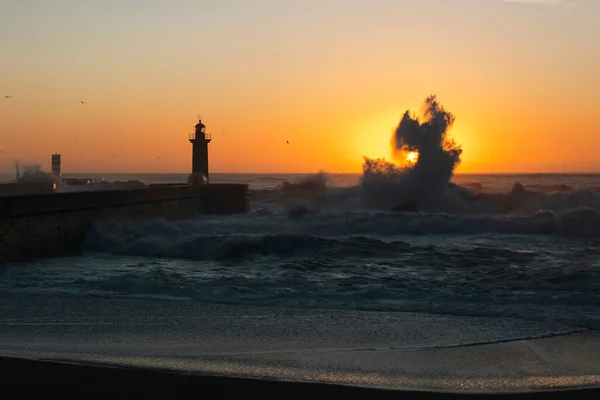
(73, 344)
(23, 376)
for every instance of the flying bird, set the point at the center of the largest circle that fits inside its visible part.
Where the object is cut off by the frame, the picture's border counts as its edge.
(287, 141)
(83, 102)
(8, 97)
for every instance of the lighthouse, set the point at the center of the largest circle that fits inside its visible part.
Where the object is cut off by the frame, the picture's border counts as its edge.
(200, 140)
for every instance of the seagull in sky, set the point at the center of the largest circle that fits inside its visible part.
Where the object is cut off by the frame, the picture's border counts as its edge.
(83, 102)
(8, 97)
(287, 141)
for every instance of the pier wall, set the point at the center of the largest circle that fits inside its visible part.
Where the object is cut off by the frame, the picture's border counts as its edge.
(26, 188)
(56, 224)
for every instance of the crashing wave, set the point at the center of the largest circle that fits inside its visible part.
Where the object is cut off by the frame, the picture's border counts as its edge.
(310, 186)
(35, 174)
(423, 186)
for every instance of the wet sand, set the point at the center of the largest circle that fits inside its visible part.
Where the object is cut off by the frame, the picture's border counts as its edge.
(252, 350)
(22, 377)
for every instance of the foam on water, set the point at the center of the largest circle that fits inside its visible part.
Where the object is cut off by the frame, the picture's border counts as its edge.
(542, 266)
(398, 238)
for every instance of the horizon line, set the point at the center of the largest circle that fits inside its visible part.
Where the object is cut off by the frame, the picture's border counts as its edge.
(308, 173)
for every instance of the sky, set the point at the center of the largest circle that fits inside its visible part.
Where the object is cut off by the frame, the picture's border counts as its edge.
(332, 77)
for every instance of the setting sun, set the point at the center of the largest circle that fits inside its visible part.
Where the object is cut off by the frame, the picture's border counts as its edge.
(412, 157)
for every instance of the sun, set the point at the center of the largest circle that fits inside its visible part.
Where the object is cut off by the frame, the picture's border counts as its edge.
(412, 157)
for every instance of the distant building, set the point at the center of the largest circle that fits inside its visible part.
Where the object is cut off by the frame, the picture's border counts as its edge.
(56, 165)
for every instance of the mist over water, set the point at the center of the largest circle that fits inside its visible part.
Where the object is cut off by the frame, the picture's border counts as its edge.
(400, 237)
(421, 186)
(426, 186)
(35, 174)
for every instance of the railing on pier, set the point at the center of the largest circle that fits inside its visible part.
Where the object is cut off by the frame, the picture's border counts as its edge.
(193, 136)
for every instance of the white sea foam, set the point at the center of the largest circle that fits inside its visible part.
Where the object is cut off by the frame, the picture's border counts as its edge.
(403, 238)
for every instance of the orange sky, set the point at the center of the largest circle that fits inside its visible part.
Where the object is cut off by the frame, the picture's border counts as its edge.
(333, 77)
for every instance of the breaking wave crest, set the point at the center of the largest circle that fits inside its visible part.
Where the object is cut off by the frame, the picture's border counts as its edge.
(259, 234)
(426, 186)
(455, 200)
(270, 260)
(406, 237)
(240, 246)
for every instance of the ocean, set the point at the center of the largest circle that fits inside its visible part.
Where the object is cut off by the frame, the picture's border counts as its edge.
(528, 265)
(515, 256)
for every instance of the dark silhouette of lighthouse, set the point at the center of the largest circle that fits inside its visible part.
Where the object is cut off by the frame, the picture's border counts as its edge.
(200, 140)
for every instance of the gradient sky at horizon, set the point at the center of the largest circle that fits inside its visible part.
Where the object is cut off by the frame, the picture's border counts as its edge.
(331, 76)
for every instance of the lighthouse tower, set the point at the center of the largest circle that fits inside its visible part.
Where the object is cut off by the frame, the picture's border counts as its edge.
(200, 140)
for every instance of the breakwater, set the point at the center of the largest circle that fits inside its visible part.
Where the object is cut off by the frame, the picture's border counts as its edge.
(45, 225)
